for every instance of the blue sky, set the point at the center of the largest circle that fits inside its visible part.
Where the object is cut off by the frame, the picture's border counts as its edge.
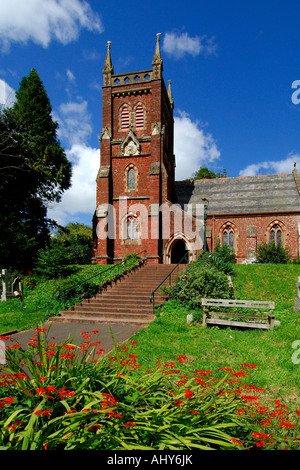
(232, 66)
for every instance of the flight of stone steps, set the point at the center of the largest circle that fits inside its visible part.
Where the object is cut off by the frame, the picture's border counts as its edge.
(124, 301)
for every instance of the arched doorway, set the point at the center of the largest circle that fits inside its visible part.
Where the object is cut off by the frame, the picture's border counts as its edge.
(178, 251)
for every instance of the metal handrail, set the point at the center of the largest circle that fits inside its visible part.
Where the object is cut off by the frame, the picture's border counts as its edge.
(98, 274)
(152, 295)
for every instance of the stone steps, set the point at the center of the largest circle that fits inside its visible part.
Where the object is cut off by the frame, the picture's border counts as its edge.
(126, 300)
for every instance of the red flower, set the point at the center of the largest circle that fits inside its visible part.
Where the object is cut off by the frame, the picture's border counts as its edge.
(94, 428)
(236, 441)
(6, 401)
(188, 394)
(43, 412)
(259, 435)
(181, 358)
(129, 424)
(44, 390)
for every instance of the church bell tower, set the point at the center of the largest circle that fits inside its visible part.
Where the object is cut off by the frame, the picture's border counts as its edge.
(137, 163)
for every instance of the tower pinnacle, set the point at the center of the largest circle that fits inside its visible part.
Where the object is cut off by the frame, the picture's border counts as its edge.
(108, 69)
(157, 59)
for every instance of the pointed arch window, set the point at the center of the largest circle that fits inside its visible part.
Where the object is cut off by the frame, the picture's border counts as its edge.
(132, 228)
(139, 117)
(131, 180)
(228, 237)
(276, 235)
(125, 118)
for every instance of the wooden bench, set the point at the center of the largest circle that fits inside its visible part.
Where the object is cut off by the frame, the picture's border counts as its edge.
(265, 320)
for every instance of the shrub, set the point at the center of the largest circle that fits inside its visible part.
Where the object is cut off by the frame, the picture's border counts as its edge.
(66, 397)
(222, 259)
(271, 253)
(198, 281)
(224, 252)
(51, 261)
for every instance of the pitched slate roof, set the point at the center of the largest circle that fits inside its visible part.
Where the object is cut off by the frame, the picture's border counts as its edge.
(241, 195)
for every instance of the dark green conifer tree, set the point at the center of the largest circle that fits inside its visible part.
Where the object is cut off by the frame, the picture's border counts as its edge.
(34, 171)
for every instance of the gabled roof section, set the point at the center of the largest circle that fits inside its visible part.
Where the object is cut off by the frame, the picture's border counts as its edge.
(242, 195)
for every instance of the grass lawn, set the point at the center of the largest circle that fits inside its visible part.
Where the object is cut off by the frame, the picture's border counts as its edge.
(170, 336)
(40, 296)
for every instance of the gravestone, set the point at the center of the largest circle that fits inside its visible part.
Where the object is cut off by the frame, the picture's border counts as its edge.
(6, 292)
(297, 299)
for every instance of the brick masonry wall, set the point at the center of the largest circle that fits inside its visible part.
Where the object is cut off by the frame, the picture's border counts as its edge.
(246, 240)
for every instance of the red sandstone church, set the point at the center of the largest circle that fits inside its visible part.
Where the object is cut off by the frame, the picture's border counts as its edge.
(140, 206)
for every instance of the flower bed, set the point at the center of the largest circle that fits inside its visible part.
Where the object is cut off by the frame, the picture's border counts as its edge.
(64, 396)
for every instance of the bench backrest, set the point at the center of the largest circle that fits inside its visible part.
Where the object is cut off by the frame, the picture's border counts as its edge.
(238, 303)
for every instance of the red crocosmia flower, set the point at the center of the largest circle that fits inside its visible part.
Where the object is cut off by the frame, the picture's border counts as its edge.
(13, 346)
(43, 412)
(259, 435)
(280, 405)
(6, 401)
(95, 331)
(44, 390)
(286, 425)
(248, 398)
(181, 358)
(203, 373)
(265, 422)
(251, 366)
(260, 444)
(66, 393)
(13, 426)
(236, 441)
(241, 373)
(179, 402)
(188, 394)
(181, 382)
(129, 424)
(94, 428)
(67, 356)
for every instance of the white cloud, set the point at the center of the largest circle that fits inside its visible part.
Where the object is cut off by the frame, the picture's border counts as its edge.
(46, 20)
(74, 130)
(178, 45)
(7, 95)
(70, 76)
(74, 122)
(272, 167)
(193, 148)
(81, 196)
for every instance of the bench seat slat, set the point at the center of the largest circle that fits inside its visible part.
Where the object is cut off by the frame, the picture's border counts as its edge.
(248, 315)
(220, 321)
(267, 319)
(238, 303)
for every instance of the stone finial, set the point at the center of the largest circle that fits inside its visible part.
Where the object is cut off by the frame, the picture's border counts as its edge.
(157, 59)
(170, 94)
(108, 69)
